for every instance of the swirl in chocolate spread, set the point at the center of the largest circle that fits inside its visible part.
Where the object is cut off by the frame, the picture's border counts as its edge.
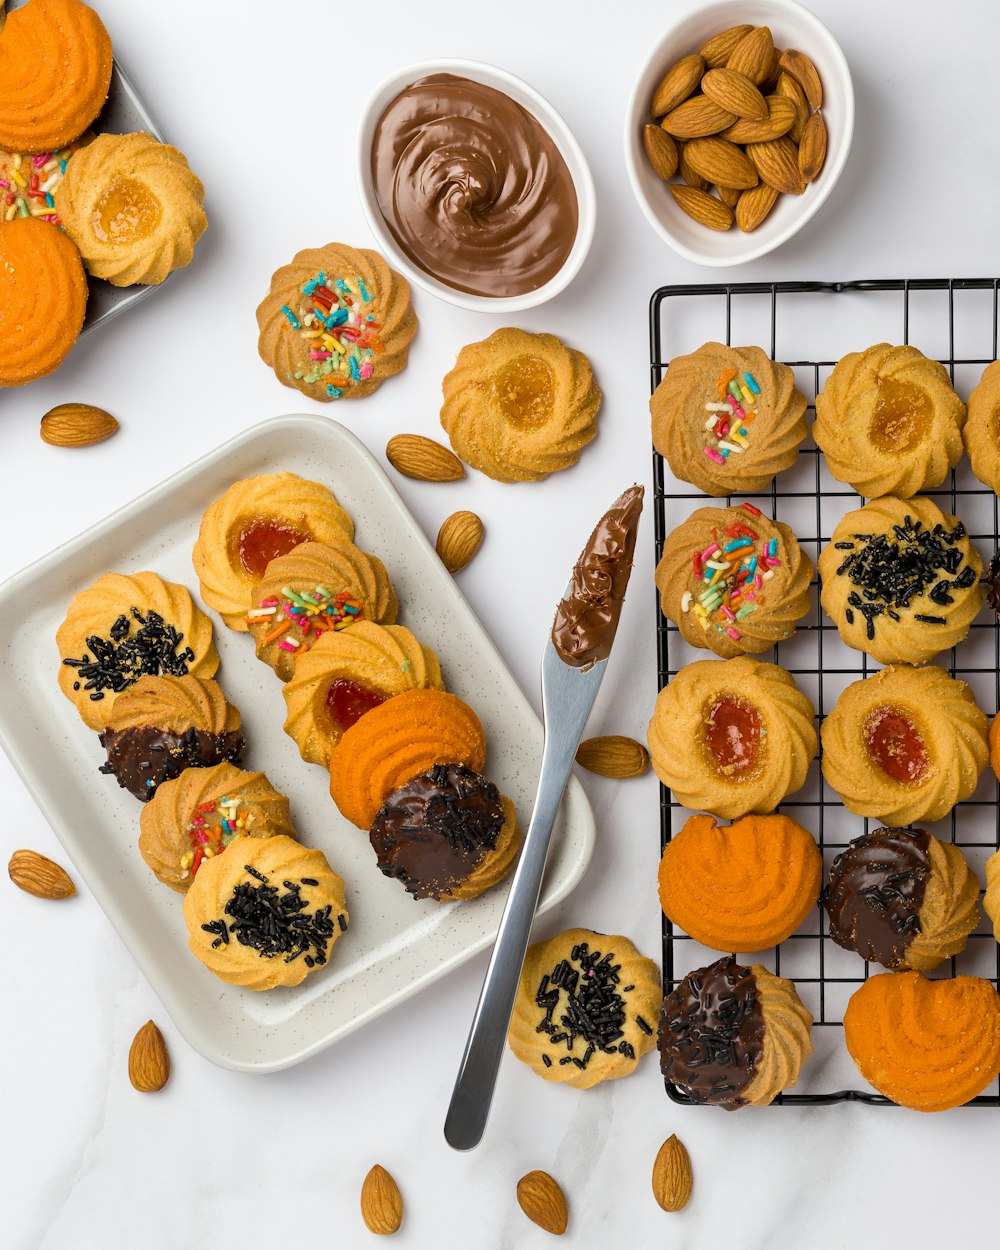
(711, 1035)
(875, 893)
(143, 757)
(587, 618)
(473, 188)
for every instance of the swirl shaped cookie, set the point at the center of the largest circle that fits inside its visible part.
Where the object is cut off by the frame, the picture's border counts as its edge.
(346, 674)
(927, 1045)
(732, 736)
(254, 522)
(900, 580)
(122, 628)
(336, 322)
(902, 899)
(981, 434)
(133, 207)
(193, 818)
(889, 422)
(163, 725)
(519, 406)
(991, 899)
(741, 888)
(905, 744)
(734, 1036)
(733, 581)
(267, 917)
(727, 419)
(586, 1008)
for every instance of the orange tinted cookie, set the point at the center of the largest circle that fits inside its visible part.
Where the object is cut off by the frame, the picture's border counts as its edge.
(994, 740)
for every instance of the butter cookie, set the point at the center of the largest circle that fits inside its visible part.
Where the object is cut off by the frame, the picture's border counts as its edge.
(991, 899)
(982, 429)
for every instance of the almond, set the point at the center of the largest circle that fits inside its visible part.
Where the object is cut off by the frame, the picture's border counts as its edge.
(777, 162)
(734, 93)
(458, 540)
(717, 50)
(696, 117)
(613, 756)
(661, 151)
(686, 172)
(672, 1177)
(543, 1202)
(38, 875)
(812, 149)
(753, 56)
(704, 208)
(148, 1060)
(790, 90)
(781, 116)
(423, 459)
(77, 425)
(381, 1202)
(680, 80)
(801, 68)
(754, 205)
(730, 196)
(722, 163)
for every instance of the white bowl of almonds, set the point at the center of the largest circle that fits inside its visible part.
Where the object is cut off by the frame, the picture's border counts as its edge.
(738, 128)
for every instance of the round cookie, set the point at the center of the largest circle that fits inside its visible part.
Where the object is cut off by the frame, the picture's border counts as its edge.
(732, 736)
(889, 422)
(727, 419)
(900, 580)
(586, 1008)
(133, 207)
(991, 898)
(43, 299)
(981, 434)
(905, 744)
(336, 322)
(267, 917)
(733, 581)
(902, 899)
(519, 406)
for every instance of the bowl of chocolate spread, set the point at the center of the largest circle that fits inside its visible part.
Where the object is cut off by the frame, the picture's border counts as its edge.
(474, 186)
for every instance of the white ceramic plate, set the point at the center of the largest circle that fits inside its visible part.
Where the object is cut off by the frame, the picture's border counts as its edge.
(394, 946)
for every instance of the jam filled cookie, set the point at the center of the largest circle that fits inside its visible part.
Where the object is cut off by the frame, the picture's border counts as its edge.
(125, 627)
(927, 1045)
(268, 916)
(254, 522)
(727, 419)
(889, 422)
(163, 725)
(733, 1036)
(732, 736)
(733, 581)
(905, 744)
(336, 322)
(902, 899)
(586, 1008)
(519, 406)
(741, 888)
(982, 429)
(900, 580)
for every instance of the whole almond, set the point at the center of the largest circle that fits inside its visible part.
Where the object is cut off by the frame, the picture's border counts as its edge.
(805, 73)
(753, 56)
(661, 151)
(754, 205)
(672, 1176)
(730, 196)
(702, 207)
(812, 149)
(77, 425)
(148, 1060)
(613, 756)
(735, 93)
(696, 117)
(381, 1202)
(777, 162)
(790, 90)
(37, 874)
(717, 50)
(722, 163)
(692, 178)
(543, 1202)
(423, 459)
(458, 540)
(680, 80)
(781, 115)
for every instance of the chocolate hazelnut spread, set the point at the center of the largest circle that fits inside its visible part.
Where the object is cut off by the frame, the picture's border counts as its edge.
(473, 188)
(143, 758)
(587, 618)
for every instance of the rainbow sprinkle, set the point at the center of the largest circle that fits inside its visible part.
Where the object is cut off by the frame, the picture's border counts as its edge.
(729, 576)
(212, 827)
(340, 336)
(27, 184)
(305, 613)
(727, 425)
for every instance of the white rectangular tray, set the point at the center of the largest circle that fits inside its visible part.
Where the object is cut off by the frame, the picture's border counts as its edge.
(395, 945)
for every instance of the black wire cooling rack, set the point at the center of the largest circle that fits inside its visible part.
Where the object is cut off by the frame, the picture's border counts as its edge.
(955, 321)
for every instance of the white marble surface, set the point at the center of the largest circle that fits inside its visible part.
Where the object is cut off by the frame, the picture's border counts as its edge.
(264, 100)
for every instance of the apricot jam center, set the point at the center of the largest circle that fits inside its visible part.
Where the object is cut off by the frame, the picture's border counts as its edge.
(263, 540)
(125, 212)
(901, 418)
(523, 392)
(894, 743)
(347, 702)
(733, 736)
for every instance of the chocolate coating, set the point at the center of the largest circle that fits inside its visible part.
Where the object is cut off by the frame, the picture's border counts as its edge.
(992, 579)
(711, 1035)
(587, 618)
(875, 892)
(434, 832)
(472, 187)
(142, 758)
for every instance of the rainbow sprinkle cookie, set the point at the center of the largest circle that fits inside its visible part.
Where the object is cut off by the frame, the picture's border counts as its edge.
(310, 614)
(212, 827)
(28, 183)
(338, 331)
(727, 427)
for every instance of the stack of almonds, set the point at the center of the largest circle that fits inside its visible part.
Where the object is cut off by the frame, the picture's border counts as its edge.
(742, 116)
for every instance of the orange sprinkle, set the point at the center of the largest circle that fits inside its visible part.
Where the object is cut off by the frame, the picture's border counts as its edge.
(723, 382)
(276, 633)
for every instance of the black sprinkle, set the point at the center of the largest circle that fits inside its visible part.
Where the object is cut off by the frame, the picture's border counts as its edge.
(644, 1026)
(123, 657)
(547, 1061)
(929, 620)
(309, 881)
(273, 923)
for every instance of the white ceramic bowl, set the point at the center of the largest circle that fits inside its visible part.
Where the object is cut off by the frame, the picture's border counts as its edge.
(792, 27)
(545, 114)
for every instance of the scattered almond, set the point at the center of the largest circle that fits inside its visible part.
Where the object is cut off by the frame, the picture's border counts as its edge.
(692, 178)
(780, 118)
(754, 205)
(812, 149)
(672, 1177)
(423, 459)
(717, 50)
(753, 56)
(722, 163)
(661, 151)
(777, 163)
(543, 1202)
(801, 68)
(37, 874)
(680, 81)
(734, 92)
(790, 90)
(148, 1060)
(381, 1202)
(77, 425)
(458, 540)
(613, 756)
(696, 117)
(702, 207)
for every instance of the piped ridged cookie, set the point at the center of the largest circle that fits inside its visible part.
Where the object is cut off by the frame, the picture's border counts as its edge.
(991, 899)
(981, 434)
